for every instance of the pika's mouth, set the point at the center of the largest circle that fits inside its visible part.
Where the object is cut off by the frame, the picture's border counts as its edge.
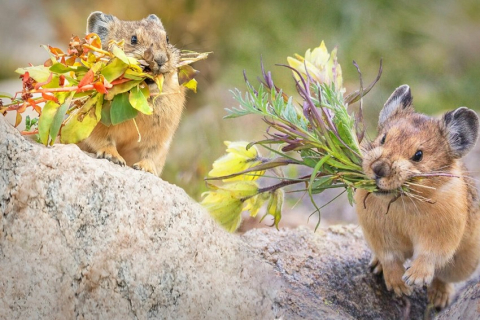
(382, 192)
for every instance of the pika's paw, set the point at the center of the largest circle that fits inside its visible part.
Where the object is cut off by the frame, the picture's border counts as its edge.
(393, 280)
(398, 286)
(419, 274)
(111, 154)
(375, 266)
(439, 294)
(146, 165)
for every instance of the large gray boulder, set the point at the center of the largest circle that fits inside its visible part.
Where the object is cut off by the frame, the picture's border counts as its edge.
(84, 238)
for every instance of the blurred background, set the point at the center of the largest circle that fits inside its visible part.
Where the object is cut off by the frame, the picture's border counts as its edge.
(434, 46)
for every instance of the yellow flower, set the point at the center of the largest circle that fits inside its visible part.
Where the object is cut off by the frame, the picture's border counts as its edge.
(321, 66)
(275, 205)
(254, 204)
(225, 202)
(237, 160)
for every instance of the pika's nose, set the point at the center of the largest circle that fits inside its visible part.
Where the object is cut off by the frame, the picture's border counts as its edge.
(161, 60)
(380, 169)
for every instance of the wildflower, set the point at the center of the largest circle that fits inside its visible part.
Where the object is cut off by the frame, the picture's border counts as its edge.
(225, 203)
(275, 205)
(254, 204)
(320, 65)
(236, 160)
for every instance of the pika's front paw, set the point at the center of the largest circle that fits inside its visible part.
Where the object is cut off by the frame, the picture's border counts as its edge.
(439, 293)
(419, 274)
(398, 286)
(111, 154)
(375, 266)
(392, 274)
(146, 165)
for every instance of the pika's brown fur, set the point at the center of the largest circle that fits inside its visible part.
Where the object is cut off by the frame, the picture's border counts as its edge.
(436, 223)
(145, 39)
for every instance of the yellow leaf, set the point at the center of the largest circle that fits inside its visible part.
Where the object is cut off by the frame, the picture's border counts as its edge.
(192, 85)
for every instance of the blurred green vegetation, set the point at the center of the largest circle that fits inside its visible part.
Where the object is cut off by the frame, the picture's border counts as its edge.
(431, 45)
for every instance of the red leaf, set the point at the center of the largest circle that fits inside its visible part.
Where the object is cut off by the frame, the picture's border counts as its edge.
(39, 84)
(25, 77)
(49, 97)
(118, 81)
(38, 109)
(61, 80)
(100, 87)
(22, 108)
(87, 79)
(55, 51)
(70, 61)
(48, 63)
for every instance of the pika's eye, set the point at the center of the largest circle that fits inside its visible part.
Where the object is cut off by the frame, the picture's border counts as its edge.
(383, 139)
(417, 157)
(168, 40)
(134, 40)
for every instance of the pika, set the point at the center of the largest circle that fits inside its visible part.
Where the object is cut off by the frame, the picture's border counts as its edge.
(432, 219)
(145, 39)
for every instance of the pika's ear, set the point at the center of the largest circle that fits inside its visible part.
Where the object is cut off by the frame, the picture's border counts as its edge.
(462, 130)
(155, 19)
(97, 22)
(400, 100)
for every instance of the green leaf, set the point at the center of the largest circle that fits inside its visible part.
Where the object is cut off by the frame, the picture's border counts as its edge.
(120, 88)
(6, 95)
(320, 184)
(121, 109)
(82, 121)
(350, 193)
(114, 69)
(59, 117)
(38, 73)
(61, 68)
(105, 116)
(138, 101)
(120, 54)
(309, 157)
(45, 120)
(134, 75)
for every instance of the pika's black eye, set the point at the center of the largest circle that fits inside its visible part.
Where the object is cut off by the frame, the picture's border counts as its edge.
(383, 139)
(417, 157)
(168, 40)
(134, 40)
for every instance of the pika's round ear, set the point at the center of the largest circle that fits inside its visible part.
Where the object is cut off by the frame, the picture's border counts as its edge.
(462, 130)
(400, 100)
(97, 22)
(155, 19)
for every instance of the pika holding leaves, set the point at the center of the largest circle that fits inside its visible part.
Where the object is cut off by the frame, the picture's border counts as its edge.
(110, 89)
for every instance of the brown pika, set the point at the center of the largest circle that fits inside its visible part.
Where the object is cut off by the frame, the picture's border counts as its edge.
(144, 40)
(427, 208)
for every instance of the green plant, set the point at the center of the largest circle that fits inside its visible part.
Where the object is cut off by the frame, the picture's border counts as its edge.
(318, 134)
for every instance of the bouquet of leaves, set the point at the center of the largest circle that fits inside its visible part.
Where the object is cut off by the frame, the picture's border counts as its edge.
(318, 134)
(71, 92)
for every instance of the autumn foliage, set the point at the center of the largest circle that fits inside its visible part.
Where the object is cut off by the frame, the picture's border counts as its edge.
(74, 90)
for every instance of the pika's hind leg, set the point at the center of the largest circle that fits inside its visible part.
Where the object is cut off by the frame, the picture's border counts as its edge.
(440, 293)
(152, 158)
